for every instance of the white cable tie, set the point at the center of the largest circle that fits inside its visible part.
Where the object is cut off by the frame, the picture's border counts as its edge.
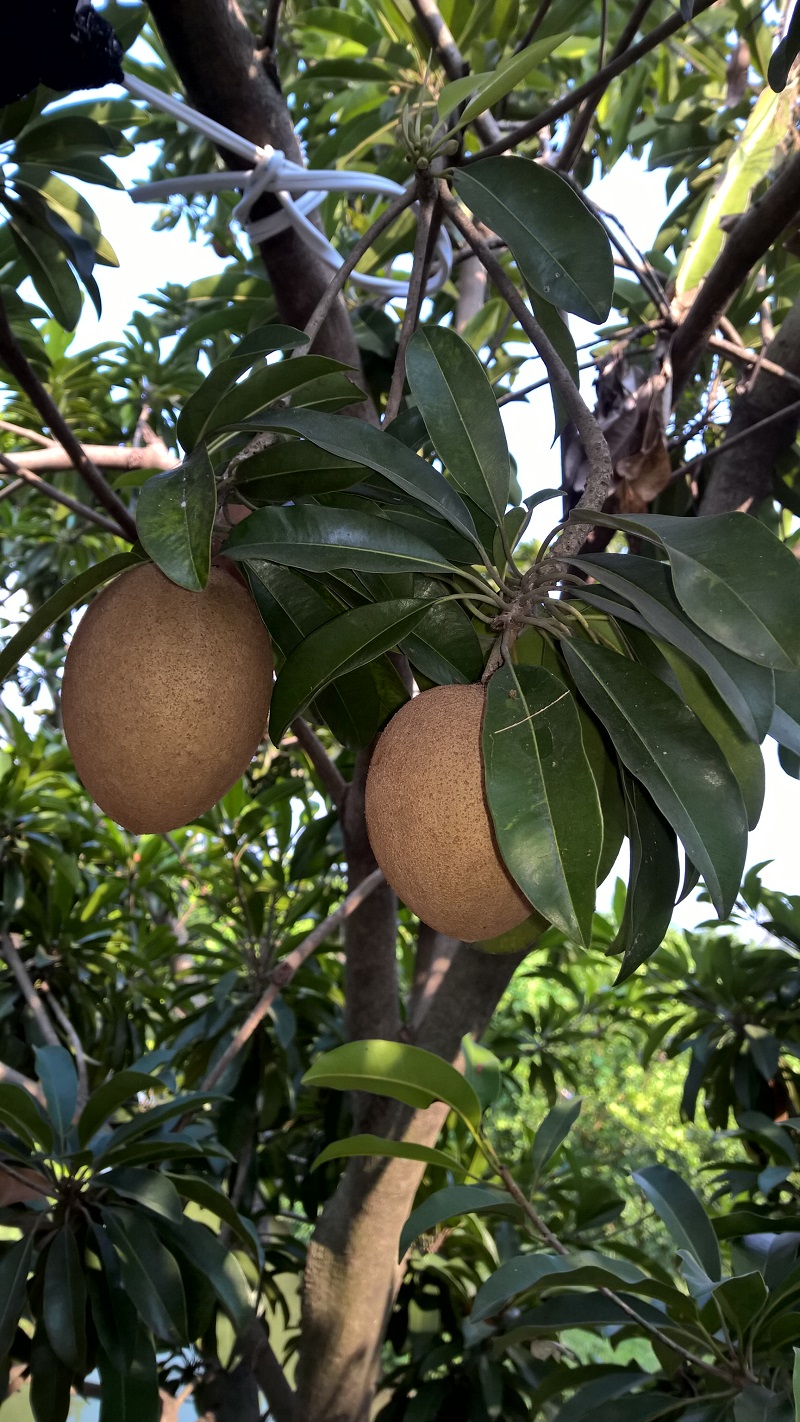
(273, 172)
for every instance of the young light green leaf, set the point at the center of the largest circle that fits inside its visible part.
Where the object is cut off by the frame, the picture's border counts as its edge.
(653, 881)
(461, 415)
(488, 89)
(396, 1150)
(560, 247)
(447, 1204)
(678, 1207)
(407, 1074)
(149, 1272)
(14, 1267)
(554, 1129)
(542, 795)
(250, 351)
(319, 539)
(663, 744)
(339, 646)
(56, 1071)
(175, 520)
(732, 577)
(70, 595)
(64, 1300)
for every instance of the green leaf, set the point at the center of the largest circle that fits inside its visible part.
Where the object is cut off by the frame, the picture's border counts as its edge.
(148, 1188)
(653, 882)
(554, 1129)
(287, 471)
(202, 1192)
(339, 646)
(396, 1150)
(175, 520)
(320, 539)
(681, 1211)
(359, 443)
(56, 1071)
(21, 1112)
(559, 246)
(407, 1074)
(108, 1098)
(14, 1266)
(51, 1382)
(269, 383)
(114, 1149)
(447, 1204)
(64, 1300)
(70, 595)
(47, 267)
(460, 412)
(132, 1395)
(252, 348)
(531, 1271)
(732, 577)
(663, 744)
(557, 329)
(204, 1251)
(542, 795)
(748, 690)
(488, 89)
(796, 1383)
(785, 53)
(149, 1273)
(444, 645)
(69, 206)
(742, 1299)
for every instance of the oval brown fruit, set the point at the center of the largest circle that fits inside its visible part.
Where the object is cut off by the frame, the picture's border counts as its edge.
(428, 821)
(165, 696)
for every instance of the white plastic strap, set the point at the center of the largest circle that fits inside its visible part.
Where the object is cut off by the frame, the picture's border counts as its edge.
(299, 191)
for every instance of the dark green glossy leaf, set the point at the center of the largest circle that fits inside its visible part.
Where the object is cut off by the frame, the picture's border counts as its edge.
(338, 647)
(51, 1381)
(204, 1251)
(785, 724)
(542, 795)
(741, 1299)
(148, 1188)
(784, 55)
(145, 1122)
(47, 267)
(591, 1401)
(375, 449)
(396, 1150)
(14, 1265)
(250, 351)
(407, 1074)
(108, 1098)
(605, 769)
(24, 1116)
(560, 247)
(149, 1273)
(557, 329)
(70, 595)
(732, 577)
(320, 539)
(131, 1395)
(460, 412)
(114, 1317)
(202, 1192)
(56, 1071)
(646, 583)
(663, 744)
(444, 645)
(554, 1129)
(681, 1211)
(448, 1204)
(175, 520)
(529, 1271)
(269, 383)
(64, 1307)
(296, 467)
(653, 882)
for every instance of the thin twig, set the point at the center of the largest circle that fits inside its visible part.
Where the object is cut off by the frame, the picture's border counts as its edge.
(600, 474)
(726, 444)
(534, 26)
(362, 246)
(10, 1077)
(729, 348)
(285, 970)
(29, 992)
(76, 1044)
(32, 435)
(11, 488)
(547, 117)
(27, 476)
(15, 360)
(328, 772)
(416, 288)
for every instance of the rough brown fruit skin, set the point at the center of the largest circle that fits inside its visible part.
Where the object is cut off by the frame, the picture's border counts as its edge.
(428, 822)
(165, 696)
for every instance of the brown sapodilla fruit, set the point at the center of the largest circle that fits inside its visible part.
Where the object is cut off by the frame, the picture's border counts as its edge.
(165, 696)
(428, 821)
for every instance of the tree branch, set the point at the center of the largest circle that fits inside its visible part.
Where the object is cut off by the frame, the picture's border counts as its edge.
(285, 970)
(452, 60)
(32, 435)
(269, 32)
(598, 81)
(583, 119)
(15, 1078)
(371, 992)
(534, 26)
(14, 359)
(601, 471)
(29, 992)
(108, 456)
(416, 289)
(328, 772)
(268, 1372)
(26, 476)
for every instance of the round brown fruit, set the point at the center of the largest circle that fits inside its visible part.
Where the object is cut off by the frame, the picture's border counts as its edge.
(428, 820)
(165, 696)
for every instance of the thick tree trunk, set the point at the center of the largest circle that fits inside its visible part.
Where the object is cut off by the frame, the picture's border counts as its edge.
(741, 478)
